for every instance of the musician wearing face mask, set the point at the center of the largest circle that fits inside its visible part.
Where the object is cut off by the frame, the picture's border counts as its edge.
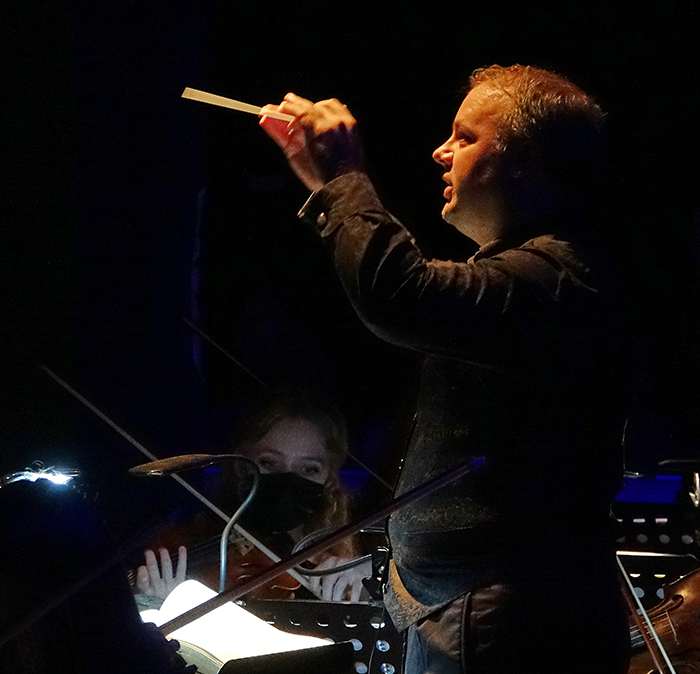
(298, 446)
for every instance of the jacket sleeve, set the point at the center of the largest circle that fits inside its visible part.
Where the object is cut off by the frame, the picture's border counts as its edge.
(481, 311)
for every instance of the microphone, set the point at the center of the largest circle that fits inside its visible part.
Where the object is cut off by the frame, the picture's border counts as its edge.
(177, 463)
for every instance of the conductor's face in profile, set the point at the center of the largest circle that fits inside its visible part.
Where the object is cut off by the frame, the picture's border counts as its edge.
(470, 158)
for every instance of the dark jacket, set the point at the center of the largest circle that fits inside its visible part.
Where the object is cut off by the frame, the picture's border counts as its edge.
(524, 364)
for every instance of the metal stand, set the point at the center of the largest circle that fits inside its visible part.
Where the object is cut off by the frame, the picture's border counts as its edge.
(379, 648)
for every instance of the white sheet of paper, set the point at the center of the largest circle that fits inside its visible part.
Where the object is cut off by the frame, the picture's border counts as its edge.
(228, 632)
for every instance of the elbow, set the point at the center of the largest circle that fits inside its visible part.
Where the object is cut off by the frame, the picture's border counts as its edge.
(390, 326)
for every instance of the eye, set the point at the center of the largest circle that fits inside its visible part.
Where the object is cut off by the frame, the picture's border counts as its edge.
(464, 136)
(312, 470)
(267, 464)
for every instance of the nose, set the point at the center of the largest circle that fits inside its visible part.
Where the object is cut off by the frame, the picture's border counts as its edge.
(443, 155)
(284, 466)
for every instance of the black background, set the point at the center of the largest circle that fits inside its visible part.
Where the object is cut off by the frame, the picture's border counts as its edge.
(129, 208)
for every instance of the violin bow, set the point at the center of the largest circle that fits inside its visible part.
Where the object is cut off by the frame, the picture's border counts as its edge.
(422, 490)
(135, 443)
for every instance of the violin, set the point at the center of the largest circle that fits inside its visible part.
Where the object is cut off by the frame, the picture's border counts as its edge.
(203, 560)
(240, 569)
(676, 620)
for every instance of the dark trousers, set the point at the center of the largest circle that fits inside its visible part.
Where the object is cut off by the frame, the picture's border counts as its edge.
(552, 622)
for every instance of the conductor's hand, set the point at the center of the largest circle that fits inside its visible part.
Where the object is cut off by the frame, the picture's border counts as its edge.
(160, 581)
(321, 143)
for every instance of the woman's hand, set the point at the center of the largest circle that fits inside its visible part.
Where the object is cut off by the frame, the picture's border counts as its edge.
(342, 586)
(160, 581)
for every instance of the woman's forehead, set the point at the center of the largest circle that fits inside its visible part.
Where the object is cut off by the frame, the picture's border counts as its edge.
(294, 437)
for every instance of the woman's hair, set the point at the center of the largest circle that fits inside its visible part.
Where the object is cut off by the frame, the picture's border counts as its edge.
(65, 602)
(294, 403)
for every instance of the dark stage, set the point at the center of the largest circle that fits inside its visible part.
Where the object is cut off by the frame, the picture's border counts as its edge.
(131, 209)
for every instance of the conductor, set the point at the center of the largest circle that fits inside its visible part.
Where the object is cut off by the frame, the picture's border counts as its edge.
(510, 569)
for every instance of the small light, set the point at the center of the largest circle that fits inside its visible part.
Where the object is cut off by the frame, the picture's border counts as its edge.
(37, 471)
(377, 622)
(56, 478)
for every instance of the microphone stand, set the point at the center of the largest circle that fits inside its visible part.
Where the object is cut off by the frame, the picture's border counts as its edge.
(411, 496)
(188, 461)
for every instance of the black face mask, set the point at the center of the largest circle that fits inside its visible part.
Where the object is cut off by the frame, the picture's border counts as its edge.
(283, 502)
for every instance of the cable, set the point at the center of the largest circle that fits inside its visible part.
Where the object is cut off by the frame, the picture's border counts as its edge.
(315, 535)
(337, 569)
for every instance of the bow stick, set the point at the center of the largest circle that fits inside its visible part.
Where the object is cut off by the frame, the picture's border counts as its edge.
(217, 511)
(411, 496)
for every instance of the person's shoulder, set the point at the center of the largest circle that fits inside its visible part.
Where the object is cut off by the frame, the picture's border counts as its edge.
(560, 251)
(550, 259)
(551, 243)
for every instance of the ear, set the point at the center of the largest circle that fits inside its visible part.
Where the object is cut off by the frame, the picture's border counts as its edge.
(524, 160)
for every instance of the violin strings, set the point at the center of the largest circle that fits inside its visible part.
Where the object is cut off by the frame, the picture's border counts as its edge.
(633, 596)
(199, 551)
(636, 634)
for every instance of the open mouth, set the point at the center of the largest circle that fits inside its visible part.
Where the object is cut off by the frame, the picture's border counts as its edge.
(447, 192)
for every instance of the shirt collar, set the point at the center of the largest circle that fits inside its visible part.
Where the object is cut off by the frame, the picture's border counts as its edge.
(513, 239)
(489, 249)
